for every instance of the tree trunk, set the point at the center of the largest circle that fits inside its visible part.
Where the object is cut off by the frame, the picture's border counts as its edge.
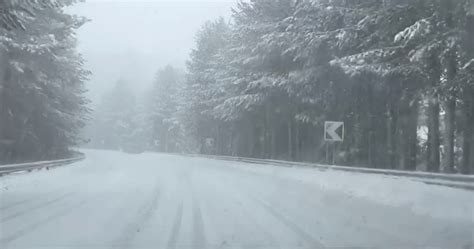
(297, 142)
(468, 133)
(166, 142)
(391, 136)
(450, 118)
(232, 141)
(264, 135)
(3, 79)
(371, 127)
(290, 141)
(2, 146)
(471, 162)
(219, 143)
(433, 135)
(408, 133)
(412, 137)
(429, 151)
(433, 162)
(252, 139)
(272, 140)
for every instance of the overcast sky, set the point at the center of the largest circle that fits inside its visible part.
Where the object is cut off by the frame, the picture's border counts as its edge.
(132, 39)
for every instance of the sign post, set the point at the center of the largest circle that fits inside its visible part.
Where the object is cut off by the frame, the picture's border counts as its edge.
(333, 132)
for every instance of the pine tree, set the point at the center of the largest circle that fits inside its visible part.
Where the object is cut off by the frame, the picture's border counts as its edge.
(256, 67)
(385, 68)
(42, 105)
(166, 100)
(203, 91)
(114, 117)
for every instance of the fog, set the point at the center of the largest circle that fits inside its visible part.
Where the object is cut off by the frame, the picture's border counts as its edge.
(295, 80)
(133, 39)
(223, 125)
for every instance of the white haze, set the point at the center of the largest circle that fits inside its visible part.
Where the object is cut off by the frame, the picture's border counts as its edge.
(132, 39)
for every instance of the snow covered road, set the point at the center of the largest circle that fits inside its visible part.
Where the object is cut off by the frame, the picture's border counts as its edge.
(116, 200)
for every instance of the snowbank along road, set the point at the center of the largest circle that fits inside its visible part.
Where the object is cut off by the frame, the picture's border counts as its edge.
(115, 200)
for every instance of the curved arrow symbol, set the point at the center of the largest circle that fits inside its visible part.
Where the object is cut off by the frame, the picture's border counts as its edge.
(334, 131)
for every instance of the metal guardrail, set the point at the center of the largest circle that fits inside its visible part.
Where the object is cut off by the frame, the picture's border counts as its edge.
(448, 180)
(11, 168)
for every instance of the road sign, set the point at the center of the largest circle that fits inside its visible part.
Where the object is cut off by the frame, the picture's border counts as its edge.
(334, 131)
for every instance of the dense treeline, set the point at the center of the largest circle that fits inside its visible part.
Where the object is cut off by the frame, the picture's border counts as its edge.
(399, 73)
(154, 121)
(42, 107)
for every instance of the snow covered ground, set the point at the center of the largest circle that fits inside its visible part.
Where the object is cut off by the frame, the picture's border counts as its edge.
(116, 200)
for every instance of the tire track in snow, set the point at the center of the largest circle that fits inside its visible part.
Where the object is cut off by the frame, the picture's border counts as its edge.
(14, 204)
(259, 226)
(36, 207)
(248, 193)
(240, 199)
(176, 227)
(199, 238)
(315, 243)
(38, 197)
(313, 204)
(198, 227)
(47, 219)
(147, 212)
